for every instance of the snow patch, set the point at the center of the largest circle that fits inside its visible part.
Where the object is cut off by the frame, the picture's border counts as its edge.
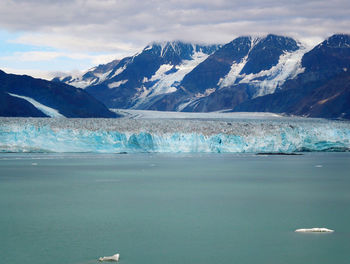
(167, 82)
(118, 71)
(236, 68)
(160, 73)
(102, 76)
(43, 108)
(288, 67)
(165, 46)
(254, 40)
(232, 75)
(116, 84)
(266, 82)
(206, 93)
(185, 104)
(80, 82)
(142, 92)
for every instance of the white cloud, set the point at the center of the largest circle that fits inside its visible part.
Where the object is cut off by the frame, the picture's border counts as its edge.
(124, 26)
(47, 75)
(74, 42)
(38, 56)
(23, 59)
(95, 29)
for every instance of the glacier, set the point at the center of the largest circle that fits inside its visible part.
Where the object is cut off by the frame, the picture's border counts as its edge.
(173, 135)
(51, 112)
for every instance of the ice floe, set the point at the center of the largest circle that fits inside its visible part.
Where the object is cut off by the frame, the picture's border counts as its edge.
(314, 230)
(110, 258)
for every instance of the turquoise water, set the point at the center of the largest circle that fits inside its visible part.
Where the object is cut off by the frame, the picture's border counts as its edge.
(180, 208)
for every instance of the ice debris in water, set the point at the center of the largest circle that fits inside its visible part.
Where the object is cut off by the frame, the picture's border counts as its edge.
(111, 258)
(314, 230)
(285, 135)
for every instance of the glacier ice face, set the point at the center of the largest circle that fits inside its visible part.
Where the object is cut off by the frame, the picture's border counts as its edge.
(127, 135)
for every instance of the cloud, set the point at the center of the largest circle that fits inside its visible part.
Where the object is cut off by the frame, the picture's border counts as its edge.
(47, 64)
(47, 75)
(74, 43)
(77, 34)
(40, 56)
(124, 26)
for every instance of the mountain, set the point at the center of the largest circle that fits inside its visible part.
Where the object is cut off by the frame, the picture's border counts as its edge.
(156, 70)
(245, 68)
(322, 90)
(24, 96)
(270, 73)
(93, 76)
(179, 76)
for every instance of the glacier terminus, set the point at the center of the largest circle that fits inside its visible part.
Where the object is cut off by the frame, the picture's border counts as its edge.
(174, 135)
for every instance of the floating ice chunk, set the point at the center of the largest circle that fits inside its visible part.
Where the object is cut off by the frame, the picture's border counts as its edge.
(314, 230)
(111, 258)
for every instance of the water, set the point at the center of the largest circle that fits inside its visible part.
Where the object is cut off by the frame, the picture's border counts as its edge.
(174, 208)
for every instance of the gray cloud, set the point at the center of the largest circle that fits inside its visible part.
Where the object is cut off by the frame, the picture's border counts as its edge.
(120, 26)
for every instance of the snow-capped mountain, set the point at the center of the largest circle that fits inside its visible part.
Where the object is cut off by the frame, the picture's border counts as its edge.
(157, 70)
(93, 76)
(177, 76)
(134, 81)
(245, 68)
(181, 76)
(264, 62)
(322, 90)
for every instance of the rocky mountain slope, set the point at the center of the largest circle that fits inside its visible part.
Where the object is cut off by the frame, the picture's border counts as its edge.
(156, 70)
(24, 96)
(322, 90)
(271, 73)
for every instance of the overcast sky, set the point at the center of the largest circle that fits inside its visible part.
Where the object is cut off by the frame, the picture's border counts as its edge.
(41, 36)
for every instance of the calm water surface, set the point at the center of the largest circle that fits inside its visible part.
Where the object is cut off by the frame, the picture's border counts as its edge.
(180, 208)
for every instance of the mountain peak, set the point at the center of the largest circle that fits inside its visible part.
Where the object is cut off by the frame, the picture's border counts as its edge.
(337, 41)
(178, 48)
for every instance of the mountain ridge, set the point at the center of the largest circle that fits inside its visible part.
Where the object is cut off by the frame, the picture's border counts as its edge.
(178, 76)
(25, 96)
(322, 90)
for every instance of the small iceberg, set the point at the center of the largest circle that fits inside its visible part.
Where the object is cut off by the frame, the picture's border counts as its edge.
(111, 258)
(314, 230)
